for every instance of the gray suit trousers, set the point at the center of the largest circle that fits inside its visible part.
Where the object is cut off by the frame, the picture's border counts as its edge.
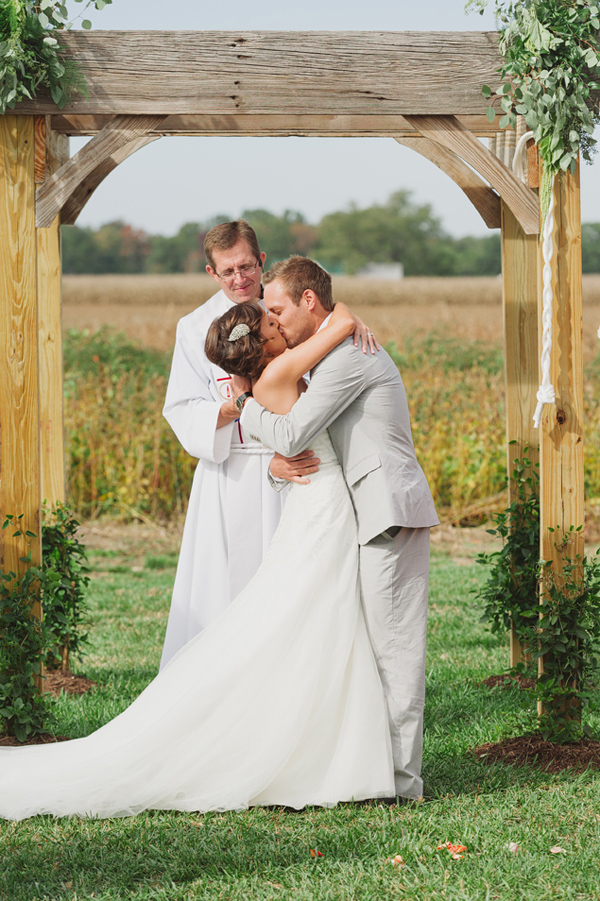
(394, 574)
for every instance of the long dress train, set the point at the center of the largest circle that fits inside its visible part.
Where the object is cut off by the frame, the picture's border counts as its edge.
(278, 701)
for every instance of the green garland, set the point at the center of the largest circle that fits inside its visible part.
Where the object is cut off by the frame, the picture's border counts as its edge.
(551, 62)
(30, 55)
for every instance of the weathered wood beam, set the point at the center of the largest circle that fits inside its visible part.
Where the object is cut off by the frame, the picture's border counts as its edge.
(80, 196)
(19, 388)
(483, 198)
(329, 72)
(450, 133)
(282, 124)
(122, 131)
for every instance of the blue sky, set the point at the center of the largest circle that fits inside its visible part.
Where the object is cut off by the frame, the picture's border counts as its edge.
(178, 180)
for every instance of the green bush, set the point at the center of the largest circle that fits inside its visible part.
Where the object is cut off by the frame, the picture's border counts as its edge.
(65, 566)
(23, 644)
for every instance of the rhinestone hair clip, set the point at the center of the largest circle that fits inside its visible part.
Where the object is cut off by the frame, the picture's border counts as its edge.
(239, 331)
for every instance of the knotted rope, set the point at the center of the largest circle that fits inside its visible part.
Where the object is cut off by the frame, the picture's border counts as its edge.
(545, 394)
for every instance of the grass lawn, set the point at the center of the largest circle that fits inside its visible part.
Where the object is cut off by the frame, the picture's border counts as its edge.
(264, 854)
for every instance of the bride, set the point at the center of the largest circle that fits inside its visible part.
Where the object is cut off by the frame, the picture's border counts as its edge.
(278, 701)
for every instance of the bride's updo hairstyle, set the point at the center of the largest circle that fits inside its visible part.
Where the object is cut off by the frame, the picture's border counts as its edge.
(237, 355)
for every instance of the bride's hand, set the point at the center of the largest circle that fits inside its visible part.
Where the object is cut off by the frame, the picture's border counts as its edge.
(363, 333)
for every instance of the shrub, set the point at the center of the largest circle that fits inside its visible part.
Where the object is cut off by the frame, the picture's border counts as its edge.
(23, 643)
(65, 566)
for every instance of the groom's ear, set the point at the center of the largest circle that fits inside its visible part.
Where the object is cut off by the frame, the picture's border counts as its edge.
(311, 299)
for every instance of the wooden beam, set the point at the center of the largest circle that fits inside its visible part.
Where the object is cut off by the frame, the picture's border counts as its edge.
(483, 198)
(561, 431)
(57, 190)
(228, 72)
(55, 154)
(450, 133)
(280, 124)
(19, 409)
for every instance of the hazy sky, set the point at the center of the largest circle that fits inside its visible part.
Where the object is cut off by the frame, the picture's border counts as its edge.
(178, 180)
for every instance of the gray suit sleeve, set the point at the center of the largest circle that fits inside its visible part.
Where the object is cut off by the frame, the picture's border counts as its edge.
(335, 382)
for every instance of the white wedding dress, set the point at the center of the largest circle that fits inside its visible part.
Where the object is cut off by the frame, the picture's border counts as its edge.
(277, 702)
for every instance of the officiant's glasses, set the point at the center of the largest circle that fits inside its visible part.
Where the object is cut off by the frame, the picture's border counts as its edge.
(245, 272)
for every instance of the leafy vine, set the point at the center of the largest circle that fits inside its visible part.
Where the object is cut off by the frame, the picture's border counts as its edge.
(556, 618)
(30, 54)
(551, 70)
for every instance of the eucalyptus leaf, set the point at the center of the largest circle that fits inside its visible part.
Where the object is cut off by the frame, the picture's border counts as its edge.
(30, 58)
(551, 54)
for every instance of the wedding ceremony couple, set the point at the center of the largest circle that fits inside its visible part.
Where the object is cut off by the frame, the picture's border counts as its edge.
(293, 667)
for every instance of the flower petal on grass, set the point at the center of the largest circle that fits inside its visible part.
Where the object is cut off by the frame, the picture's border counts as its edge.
(513, 847)
(397, 861)
(556, 849)
(315, 853)
(455, 850)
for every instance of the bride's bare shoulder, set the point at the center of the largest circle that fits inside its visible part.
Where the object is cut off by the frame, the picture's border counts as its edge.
(275, 371)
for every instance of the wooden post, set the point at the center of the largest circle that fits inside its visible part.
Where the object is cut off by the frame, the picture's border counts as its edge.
(19, 392)
(51, 151)
(520, 291)
(561, 430)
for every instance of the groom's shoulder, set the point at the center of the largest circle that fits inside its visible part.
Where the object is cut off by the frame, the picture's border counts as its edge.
(347, 354)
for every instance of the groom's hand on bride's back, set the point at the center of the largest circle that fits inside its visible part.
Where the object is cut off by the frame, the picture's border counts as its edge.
(294, 469)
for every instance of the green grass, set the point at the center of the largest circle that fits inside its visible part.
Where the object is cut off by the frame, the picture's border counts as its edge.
(265, 854)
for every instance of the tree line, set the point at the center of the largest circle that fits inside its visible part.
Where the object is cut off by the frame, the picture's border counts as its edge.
(397, 231)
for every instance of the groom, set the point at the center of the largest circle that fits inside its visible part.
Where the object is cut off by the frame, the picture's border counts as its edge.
(360, 398)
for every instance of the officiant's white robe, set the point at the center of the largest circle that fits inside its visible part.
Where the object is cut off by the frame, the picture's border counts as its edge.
(233, 512)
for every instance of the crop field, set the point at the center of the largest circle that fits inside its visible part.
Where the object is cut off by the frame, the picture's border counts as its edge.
(445, 334)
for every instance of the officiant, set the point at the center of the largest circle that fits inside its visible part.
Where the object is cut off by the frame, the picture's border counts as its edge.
(233, 511)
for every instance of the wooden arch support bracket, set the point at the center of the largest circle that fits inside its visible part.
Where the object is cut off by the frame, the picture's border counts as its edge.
(72, 185)
(484, 199)
(84, 190)
(450, 133)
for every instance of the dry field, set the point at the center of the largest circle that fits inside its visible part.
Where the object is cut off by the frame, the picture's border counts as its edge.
(147, 307)
(137, 469)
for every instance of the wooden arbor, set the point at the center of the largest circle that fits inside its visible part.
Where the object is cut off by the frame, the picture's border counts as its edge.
(422, 89)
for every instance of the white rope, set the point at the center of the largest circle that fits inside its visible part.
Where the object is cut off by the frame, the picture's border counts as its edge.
(518, 167)
(545, 393)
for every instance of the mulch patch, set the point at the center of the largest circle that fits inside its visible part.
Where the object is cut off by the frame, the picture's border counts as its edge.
(533, 750)
(507, 680)
(55, 681)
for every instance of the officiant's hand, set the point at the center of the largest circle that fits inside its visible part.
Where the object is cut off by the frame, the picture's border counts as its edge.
(294, 469)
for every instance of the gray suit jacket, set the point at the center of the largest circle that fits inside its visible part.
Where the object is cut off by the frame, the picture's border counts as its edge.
(361, 399)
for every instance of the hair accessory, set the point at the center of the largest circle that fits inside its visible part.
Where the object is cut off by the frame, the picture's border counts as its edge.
(239, 331)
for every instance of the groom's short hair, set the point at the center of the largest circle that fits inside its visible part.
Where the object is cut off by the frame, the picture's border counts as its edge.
(226, 235)
(299, 273)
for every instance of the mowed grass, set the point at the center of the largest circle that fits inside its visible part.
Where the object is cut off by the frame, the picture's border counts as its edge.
(266, 854)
